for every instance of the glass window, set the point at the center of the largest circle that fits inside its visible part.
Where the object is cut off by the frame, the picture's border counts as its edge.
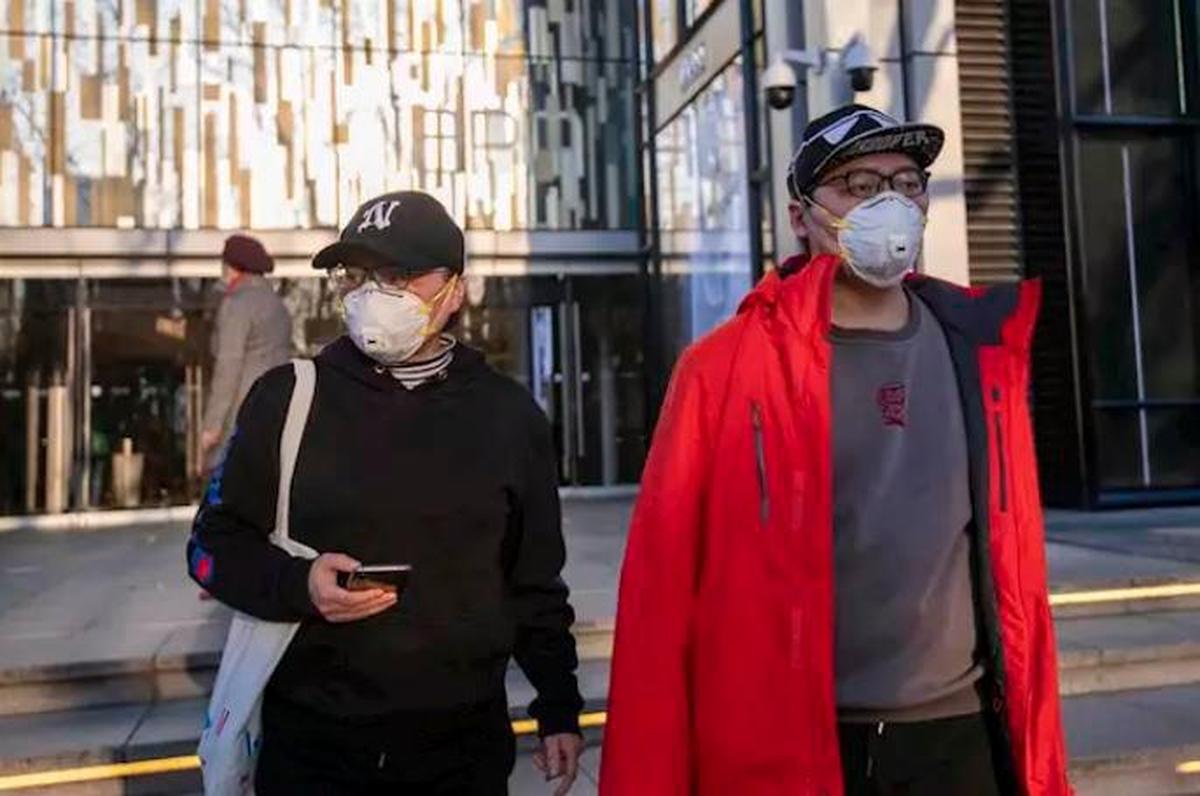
(149, 346)
(665, 27)
(577, 344)
(36, 318)
(1142, 297)
(1162, 251)
(703, 213)
(1118, 449)
(1087, 48)
(1108, 287)
(289, 115)
(1144, 57)
(1127, 61)
(582, 164)
(149, 377)
(127, 144)
(692, 9)
(1173, 436)
(24, 122)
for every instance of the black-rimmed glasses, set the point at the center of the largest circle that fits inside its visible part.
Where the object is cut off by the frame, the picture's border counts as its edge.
(865, 183)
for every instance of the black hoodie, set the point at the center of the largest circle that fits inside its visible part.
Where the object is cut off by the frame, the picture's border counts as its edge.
(457, 477)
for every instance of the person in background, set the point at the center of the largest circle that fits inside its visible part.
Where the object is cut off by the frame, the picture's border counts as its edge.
(253, 334)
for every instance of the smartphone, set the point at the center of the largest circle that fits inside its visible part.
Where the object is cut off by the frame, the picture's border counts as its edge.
(389, 577)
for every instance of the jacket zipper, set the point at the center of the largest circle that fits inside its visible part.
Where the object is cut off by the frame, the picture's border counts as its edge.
(760, 460)
(1002, 462)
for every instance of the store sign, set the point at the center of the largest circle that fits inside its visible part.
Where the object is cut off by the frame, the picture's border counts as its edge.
(707, 52)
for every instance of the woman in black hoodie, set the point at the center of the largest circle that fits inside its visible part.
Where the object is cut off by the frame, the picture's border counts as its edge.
(415, 452)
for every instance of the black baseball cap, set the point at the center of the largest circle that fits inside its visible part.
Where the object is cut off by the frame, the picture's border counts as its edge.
(409, 230)
(852, 131)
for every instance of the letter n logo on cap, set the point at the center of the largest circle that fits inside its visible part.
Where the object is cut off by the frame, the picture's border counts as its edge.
(379, 215)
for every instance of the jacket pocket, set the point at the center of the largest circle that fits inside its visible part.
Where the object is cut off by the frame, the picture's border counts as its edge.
(760, 463)
(1001, 451)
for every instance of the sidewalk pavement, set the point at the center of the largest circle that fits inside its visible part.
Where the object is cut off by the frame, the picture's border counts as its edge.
(122, 593)
(80, 603)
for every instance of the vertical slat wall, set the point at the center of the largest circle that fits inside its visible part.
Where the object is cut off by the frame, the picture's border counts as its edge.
(989, 158)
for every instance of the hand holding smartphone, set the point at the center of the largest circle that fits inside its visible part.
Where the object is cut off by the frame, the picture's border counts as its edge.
(388, 577)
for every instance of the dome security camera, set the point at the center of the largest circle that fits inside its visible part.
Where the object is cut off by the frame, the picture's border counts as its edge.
(859, 64)
(779, 85)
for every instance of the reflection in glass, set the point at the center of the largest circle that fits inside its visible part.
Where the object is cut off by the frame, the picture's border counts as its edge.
(1143, 57)
(1142, 296)
(1167, 290)
(1126, 57)
(1088, 52)
(703, 213)
(665, 27)
(1109, 304)
(692, 9)
(577, 344)
(35, 347)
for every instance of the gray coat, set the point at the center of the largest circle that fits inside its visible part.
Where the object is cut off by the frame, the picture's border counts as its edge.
(253, 335)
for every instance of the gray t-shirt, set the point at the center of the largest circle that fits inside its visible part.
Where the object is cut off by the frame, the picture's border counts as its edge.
(905, 614)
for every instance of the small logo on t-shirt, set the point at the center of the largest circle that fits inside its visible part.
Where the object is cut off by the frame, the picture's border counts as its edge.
(893, 404)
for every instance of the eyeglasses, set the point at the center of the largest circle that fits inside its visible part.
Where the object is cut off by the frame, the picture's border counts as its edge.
(865, 183)
(351, 277)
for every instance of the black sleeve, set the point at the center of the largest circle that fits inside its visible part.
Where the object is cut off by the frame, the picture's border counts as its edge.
(545, 648)
(230, 553)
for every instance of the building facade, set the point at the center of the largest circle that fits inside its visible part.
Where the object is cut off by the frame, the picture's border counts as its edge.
(621, 180)
(135, 133)
(1071, 155)
(1114, 237)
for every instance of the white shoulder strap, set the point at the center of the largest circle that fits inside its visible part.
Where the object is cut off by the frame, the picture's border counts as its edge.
(289, 441)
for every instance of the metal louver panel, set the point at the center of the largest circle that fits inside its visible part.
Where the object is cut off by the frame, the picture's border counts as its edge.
(990, 172)
(1059, 431)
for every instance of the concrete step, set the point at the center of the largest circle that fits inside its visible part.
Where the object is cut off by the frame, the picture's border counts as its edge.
(183, 667)
(102, 737)
(120, 733)
(1142, 771)
(1116, 653)
(1096, 654)
(1142, 741)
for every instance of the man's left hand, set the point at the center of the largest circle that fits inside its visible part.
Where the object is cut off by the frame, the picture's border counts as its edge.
(558, 758)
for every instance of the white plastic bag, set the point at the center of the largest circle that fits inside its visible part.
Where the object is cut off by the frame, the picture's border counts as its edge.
(232, 733)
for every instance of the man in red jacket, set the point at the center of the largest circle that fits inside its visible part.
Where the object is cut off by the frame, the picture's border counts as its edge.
(835, 580)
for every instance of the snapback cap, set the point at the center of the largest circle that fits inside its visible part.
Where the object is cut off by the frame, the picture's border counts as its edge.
(852, 131)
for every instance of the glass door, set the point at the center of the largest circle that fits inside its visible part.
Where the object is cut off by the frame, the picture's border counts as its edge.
(147, 376)
(576, 344)
(38, 358)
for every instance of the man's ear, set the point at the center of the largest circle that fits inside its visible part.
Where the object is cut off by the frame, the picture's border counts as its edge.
(458, 295)
(797, 213)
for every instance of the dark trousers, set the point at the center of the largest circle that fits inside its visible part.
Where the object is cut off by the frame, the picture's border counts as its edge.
(943, 757)
(465, 752)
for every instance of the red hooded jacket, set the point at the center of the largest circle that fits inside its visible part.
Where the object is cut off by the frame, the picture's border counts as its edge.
(723, 671)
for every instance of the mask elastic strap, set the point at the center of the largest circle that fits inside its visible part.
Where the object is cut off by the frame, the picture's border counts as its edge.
(432, 305)
(835, 221)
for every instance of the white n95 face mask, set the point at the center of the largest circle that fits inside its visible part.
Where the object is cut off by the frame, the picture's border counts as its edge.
(880, 239)
(389, 326)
